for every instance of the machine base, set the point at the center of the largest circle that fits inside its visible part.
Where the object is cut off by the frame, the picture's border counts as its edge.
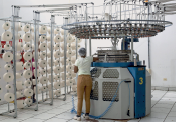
(105, 83)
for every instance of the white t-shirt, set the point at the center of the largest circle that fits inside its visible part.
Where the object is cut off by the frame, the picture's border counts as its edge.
(84, 65)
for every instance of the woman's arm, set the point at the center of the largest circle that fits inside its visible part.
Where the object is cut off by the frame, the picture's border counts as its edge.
(75, 69)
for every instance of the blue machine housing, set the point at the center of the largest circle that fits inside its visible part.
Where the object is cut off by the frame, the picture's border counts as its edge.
(127, 42)
(118, 64)
(138, 74)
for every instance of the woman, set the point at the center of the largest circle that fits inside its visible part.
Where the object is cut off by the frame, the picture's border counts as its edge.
(84, 83)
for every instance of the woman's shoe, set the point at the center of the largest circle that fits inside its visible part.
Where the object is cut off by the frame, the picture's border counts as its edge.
(86, 116)
(78, 118)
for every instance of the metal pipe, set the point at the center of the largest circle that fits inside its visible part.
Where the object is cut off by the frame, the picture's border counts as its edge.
(52, 37)
(105, 58)
(148, 53)
(14, 19)
(76, 48)
(65, 49)
(7, 71)
(86, 46)
(36, 60)
(148, 41)
(89, 45)
(53, 5)
(5, 19)
(123, 42)
(52, 10)
(46, 70)
(132, 59)
(120, 11)
(86, 15)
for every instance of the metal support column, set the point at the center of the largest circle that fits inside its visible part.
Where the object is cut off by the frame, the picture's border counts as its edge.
(123, 42)
(148, 52)
(52, 38)
(65, 49)
(86, 16)
(148, 39)
(36, 39)
(86, 46)
(89, 45)
(15, 18)
(132, 59)
(120, 11)
(76, 48)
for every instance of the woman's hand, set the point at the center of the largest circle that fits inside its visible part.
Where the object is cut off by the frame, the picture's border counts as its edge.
(95, 59)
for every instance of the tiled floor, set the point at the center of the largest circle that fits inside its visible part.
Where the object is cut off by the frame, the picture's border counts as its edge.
(163, 106)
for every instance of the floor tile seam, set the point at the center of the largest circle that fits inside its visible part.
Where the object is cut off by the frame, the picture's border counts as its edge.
(62, 113)
(38, 110)
(60, 105)
(160, 99)
(39, 114)
(5, 118)
(47, 119)
(10, 116)
(57, 117)
(35, 115)
(156, 117)
(166, 103)
(170, 111)
(169, 97)
(158, 112)
(164, 107)
(50, 118)
(23, 119)
(172, 116)
(29, 118)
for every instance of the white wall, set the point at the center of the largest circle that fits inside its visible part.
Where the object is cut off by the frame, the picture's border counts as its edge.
(162, 55)
(1, 14)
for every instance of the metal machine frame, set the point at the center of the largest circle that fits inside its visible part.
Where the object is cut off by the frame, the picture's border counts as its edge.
(59, 8)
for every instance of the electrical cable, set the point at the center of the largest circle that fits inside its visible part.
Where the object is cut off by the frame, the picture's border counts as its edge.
(128, 112)
(111, 103)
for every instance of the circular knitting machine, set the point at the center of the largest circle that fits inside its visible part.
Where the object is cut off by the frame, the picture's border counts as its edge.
(121, 84)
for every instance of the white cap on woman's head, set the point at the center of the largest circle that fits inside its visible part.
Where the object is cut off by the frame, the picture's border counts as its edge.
(82, 51)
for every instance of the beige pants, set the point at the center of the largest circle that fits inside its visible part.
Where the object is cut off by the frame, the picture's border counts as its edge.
(84, 84)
